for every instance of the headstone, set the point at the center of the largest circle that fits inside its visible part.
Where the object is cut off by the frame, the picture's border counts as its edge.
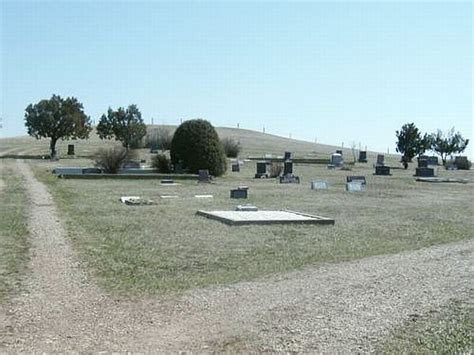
(339, 151)
(362, 157)
(70, 149)
(288, 156)
(432, 160)
(354, 178)
(235, 167)
(382, 170)
(289, 179)
(203, 176)
(288, 168)
(424, 172)
(337, 160)
(167, 181)
(422, 162)
(355, 186)
(237, 193)
(261, 170)
(380, 160)
(319, 185)
(331, 166)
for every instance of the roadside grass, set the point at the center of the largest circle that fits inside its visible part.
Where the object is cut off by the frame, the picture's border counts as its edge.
(13, 230)
(146, 250)
(447, 331)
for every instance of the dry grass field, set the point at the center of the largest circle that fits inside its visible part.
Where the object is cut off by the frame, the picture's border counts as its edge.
(165, 249)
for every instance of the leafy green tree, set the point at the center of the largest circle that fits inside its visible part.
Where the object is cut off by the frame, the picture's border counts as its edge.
(196, 146)
(57, 118)
(451, 143)
(410, 142)
(125, 125)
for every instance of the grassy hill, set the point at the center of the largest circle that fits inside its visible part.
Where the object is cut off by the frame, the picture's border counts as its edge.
(253, 144)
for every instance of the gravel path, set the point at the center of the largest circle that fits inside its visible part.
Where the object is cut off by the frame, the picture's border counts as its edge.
(344, 307)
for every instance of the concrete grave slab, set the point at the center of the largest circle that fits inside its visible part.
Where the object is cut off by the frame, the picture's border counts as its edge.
(204, 196)
(169, 196)
(238, 218)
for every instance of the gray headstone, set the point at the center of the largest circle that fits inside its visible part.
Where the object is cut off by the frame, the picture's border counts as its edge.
(356, 178)
(424, 172)
(337, 160)
(70, 149)
(319, 185)
(423, 162)
(287, 168)
(362, 157)
(382, 170)
(261, 169)
(355, 186)
(433, 160)
(203, 176)
(380, 159)
(235, 167)
(237, 193)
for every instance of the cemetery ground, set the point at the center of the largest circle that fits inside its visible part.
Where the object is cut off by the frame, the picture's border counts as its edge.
(393, 273)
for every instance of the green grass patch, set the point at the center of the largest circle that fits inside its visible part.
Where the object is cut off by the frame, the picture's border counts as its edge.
(448, 331)
(13, 230)
(167, 248)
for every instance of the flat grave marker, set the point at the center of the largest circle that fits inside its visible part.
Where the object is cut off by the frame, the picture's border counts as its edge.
(237, 218)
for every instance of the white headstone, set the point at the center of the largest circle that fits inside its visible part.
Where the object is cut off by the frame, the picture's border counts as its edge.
(319, 185)
(355, 186)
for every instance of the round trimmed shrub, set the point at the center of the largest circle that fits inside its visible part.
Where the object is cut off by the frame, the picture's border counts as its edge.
(196, 146)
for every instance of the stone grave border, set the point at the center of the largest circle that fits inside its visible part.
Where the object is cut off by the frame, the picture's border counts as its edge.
(314, 219)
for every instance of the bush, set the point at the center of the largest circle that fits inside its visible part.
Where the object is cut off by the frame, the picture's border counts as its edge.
(161, 163)
(111, 159)
(159, 138)
(276, 170)
(196, 145)
(231, 147)
(462, 163)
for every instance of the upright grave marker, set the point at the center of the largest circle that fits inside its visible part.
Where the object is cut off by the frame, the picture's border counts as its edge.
(362, 156)
(204, 176)
(380, 160)
(261, 170)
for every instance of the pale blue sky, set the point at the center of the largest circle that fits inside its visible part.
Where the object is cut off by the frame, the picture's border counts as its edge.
(339, 71)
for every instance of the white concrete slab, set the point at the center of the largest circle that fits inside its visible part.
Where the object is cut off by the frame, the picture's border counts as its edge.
(263, 217)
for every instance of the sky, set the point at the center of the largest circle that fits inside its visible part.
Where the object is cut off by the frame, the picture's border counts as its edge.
(332, 72)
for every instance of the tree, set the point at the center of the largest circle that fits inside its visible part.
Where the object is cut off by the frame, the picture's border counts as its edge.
(196, 146)
(57, 118)
(448, 144)
(125, 125)
(411, 143)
